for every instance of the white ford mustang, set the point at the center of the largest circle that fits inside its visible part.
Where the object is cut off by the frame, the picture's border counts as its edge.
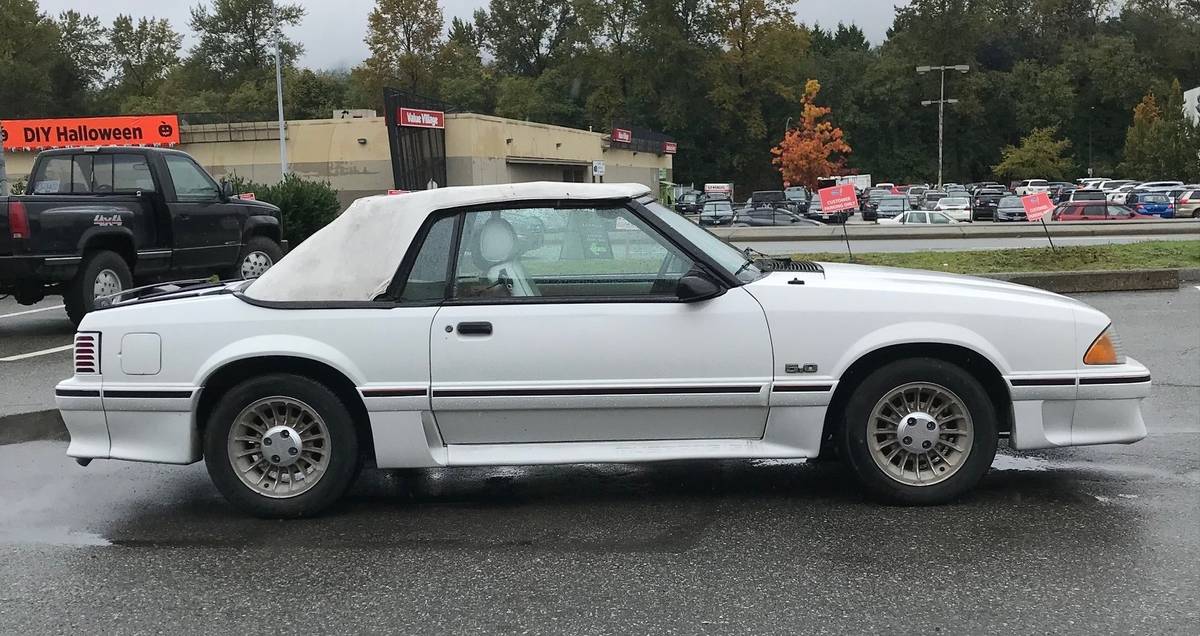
(549, 323)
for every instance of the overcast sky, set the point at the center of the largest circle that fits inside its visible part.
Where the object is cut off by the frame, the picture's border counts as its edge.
(332, 31)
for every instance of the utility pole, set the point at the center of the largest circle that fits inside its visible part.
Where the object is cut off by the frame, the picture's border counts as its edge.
(1091, 116)
(941, 102)
(3, 171)
(283, 161)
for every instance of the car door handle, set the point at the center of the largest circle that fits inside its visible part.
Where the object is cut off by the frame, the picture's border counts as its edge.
(474, 328)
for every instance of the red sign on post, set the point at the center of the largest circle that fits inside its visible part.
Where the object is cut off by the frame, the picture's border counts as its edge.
(418, 118)
(1036, 205)
(837, 198)
(669, 147)
(621, 135)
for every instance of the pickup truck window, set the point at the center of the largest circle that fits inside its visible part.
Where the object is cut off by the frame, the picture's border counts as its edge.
(59, 175)
(87, 173)
(191, 183)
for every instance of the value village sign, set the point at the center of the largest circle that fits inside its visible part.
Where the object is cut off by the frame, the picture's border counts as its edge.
(135, 130)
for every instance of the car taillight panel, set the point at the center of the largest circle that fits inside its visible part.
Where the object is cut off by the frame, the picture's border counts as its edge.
(87, 353)
(18, 220)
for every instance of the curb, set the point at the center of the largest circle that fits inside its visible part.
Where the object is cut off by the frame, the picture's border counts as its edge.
(30, 427)
(1189, 274)
(1097, 280)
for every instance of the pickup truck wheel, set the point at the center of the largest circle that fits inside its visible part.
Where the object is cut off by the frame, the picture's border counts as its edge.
(258, 255)
(102, 273)
(919, 431)
(281, 445)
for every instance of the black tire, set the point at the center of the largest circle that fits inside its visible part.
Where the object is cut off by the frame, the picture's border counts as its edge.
(261, 244)
(852, 437)
(79, 296)
(344, 461)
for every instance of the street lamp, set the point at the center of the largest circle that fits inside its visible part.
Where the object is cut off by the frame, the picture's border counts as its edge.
(787, 126)
(941, 102)
(1091, 116)
(283, 162)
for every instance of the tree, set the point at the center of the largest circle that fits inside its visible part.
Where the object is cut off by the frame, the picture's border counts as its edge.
(84, 42)
(1040, 155)
(1162, 142)
(236, 39)
(527, 36)
(404, 37)
(143, 54)
(463, 80)
(29, 59)
(813, 148)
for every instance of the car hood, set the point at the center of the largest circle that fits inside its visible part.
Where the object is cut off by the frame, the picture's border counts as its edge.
(871, 277)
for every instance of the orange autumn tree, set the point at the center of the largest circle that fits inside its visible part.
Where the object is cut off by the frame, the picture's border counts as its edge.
(813, 148)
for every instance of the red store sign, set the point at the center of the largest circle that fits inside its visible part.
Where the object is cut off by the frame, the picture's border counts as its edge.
(670, 147)
(418, 118)
(621, 135)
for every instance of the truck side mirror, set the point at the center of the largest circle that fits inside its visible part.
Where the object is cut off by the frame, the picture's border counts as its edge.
(226, 190)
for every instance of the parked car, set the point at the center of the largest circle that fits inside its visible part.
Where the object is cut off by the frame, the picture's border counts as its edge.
(1152, 203)
(870, 201)
(798, 196)
(891, 206)
(1188, 204)
(1108, 185)
(921, 217)
(1157, 186)
(1009, 208)
(1086, 195)
(974, 188)
(1060, 192)
(689, 203)
(770, 216)
(769, 198)
(930, 198)
(1095, 211)
(815, 213)
(98, 221)
(717, 212)
(959, 208)
(1030, 186)
(916, 195)
(983, 206)
(443, 339)
(1118, 194)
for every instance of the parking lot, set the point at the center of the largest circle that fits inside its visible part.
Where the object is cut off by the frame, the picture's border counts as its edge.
(1101, 539)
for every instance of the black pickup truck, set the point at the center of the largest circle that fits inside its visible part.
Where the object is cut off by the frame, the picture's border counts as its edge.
(97, 221)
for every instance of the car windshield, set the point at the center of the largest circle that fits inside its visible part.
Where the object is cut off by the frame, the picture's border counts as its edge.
(718, 206)
(796, 194)
(1010, 202)
(767, 195)
(953, 201)
(1155, 198)
(893, 203)
(1087, 195)
(730, 258)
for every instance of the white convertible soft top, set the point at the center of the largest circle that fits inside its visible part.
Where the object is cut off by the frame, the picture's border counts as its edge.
(356, 256)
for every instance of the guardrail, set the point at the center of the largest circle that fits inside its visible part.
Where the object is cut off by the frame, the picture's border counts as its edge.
(868, 232)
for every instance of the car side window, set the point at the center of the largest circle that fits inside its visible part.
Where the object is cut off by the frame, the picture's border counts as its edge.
(938, 218)
(1118, 212)
(191, 183)
(427, 279)
(568, 253)
(1093, 211)
(916, 217)
(131, 173)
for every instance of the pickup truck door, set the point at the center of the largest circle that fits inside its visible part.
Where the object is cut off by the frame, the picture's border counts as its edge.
(567, 328)
(207, 230)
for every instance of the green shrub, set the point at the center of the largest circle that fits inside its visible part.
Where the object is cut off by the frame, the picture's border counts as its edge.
(18, 185)
(307, 205)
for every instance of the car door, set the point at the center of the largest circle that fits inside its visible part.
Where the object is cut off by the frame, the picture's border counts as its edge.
(207, 230)
(1094, 212)
(578, 335)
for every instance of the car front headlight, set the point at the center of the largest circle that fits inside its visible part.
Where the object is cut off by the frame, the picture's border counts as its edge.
(1105, 349)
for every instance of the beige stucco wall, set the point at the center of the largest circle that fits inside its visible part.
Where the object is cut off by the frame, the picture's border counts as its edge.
(478, 151)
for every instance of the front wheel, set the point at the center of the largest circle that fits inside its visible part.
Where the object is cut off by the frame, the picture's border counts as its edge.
(919, 431)
(281, 445)
(257, 256)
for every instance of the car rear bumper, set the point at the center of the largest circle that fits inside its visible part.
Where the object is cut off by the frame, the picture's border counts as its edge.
(1096, 408)
(146, 424)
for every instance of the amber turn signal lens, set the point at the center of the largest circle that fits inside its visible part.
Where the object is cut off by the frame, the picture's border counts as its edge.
(1102, 351)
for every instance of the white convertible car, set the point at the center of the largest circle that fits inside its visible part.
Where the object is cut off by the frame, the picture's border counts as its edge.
(551, 323)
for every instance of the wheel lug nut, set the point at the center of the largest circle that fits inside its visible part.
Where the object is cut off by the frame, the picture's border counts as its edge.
(285, 434)
(292, 451)
(907, 440)
(275, 458)
(931, 426)
(266, 441)
(911, 422)
(926, 444)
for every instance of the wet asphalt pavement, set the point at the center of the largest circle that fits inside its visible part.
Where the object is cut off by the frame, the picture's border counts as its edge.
(1087, 540)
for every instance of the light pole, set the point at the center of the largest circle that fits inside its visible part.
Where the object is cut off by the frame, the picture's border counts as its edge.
(941, 102)
(1091, 116)
(787, 126)
(283, 162)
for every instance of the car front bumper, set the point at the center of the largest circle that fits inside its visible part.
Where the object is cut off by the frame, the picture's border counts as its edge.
(146, 424)
(1101, 406)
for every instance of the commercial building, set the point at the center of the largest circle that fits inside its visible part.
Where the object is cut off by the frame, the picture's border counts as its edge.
(360, 156)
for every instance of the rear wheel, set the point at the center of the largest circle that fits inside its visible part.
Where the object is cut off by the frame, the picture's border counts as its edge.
(281, 446)
(103, 273)
(919, 431)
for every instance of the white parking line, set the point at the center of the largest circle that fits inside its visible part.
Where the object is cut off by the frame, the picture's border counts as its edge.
(34, 354)
(30, 311)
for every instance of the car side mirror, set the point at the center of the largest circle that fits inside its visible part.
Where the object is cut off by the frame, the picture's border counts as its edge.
(226, 190)
(696, 286)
